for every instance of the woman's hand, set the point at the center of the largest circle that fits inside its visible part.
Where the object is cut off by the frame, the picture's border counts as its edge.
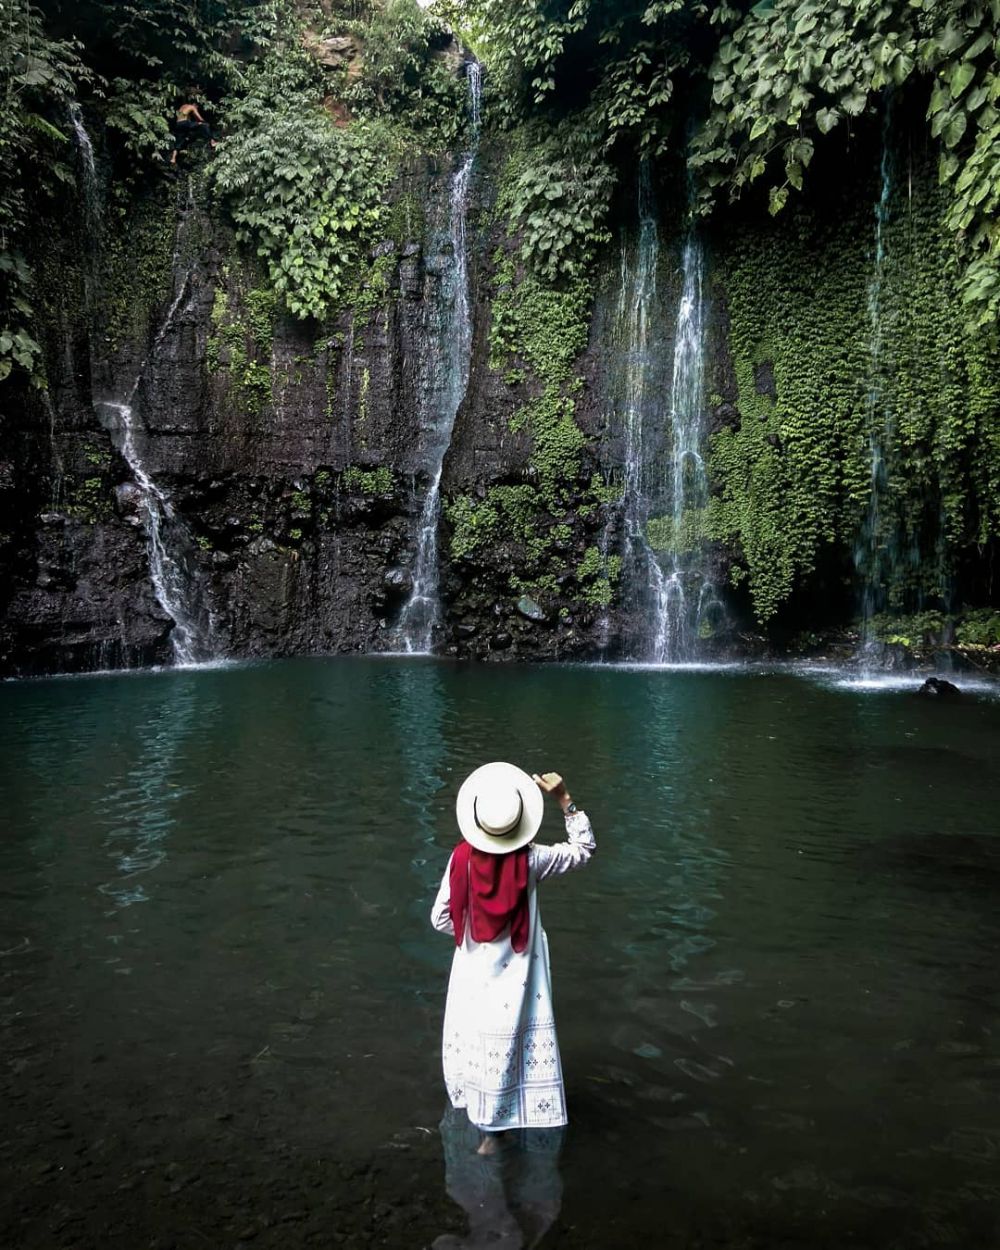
(552, 783)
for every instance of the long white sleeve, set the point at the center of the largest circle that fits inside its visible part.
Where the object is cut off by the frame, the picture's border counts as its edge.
(441, 911)
(553, 861)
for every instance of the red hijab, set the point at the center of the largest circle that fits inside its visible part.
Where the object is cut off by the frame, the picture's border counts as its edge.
(492, 890)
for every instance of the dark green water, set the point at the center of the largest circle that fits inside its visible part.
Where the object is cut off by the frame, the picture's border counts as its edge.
(776, 985)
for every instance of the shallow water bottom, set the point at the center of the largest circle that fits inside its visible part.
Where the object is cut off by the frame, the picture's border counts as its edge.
(776, 985)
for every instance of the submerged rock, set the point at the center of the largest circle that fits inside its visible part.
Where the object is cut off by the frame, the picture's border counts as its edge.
(939, 688)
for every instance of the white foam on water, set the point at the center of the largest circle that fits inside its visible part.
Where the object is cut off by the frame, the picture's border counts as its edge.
(674, 666)
(864, 681)
(149, 670)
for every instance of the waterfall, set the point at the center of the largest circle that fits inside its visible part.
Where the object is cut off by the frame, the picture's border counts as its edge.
(691, 605)
(168, 542)
(663, 555)
(169, 566)
(90, 194)
(422, 611)
(636, 315)
(876, 554)
(58, 465)
(88, 181)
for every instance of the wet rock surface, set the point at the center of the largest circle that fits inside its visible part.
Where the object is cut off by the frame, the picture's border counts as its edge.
(166, 1179)
(223, 1186)
(295, 464)
(178, 1160)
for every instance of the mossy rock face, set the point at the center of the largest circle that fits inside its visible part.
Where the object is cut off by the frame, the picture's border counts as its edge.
(308, 435)
(136, 261)
(822, 356)
(241, 343)
(517, 533)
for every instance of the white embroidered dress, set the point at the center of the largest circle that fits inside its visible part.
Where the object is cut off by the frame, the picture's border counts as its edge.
(500, 1052)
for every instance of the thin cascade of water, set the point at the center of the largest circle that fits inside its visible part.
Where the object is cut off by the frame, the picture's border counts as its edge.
(876, 553)
(58, 465)
(421, 613)
(89, 184)
(168, 542)
(169, 571)
(90, 195)
(166, 536)
(689, 601)
(673, 597)
(636, 311)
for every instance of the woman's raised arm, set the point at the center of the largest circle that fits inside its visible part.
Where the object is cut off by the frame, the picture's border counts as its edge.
(580, 844)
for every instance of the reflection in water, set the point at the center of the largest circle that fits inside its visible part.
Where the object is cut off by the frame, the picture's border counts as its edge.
(673, 929)
(776, 986)
(418, 709)
(513, 1196)
(140, 807)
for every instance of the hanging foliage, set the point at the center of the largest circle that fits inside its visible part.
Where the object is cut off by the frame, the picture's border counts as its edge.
(38, 76)
(784, 78)
(764, 85)
(304, 195)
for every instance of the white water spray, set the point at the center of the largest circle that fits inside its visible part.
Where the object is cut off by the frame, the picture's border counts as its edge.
(636, 313)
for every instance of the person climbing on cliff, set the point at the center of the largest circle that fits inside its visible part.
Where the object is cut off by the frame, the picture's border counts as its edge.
(499, 1048)
(188, 126)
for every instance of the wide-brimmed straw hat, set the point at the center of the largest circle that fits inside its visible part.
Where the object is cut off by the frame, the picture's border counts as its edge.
(499, 808)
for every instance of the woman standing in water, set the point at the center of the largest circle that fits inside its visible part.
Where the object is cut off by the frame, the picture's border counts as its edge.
(501, 1055)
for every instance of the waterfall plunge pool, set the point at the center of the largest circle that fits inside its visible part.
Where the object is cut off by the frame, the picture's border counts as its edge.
(776, 985)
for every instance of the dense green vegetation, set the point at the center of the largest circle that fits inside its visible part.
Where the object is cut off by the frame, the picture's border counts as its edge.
(798, 71)
(309, 144)
(313, 147)
(793, 476)
(750, 93)
(130, 60)
(763, 103)
(747, 92)
(38, 77)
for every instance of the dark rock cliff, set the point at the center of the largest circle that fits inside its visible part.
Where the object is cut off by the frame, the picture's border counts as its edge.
(291, 457)
(292, 453)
